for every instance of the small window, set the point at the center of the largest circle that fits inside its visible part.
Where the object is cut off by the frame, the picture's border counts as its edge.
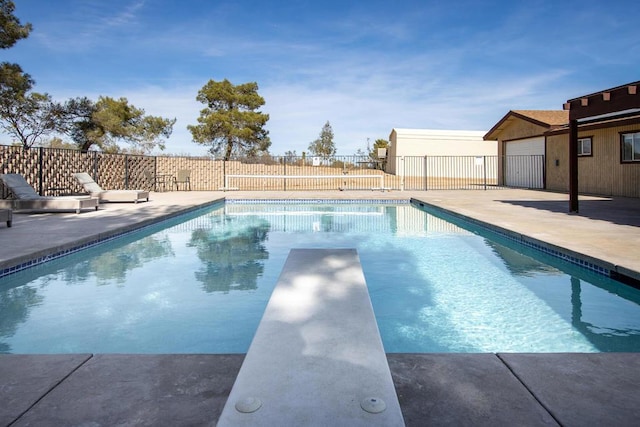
(584, 146)
(631, 147)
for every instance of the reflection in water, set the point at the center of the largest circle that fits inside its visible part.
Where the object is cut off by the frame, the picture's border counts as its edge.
(305, 218)
(233, 256)
(519, 264)
(115, 264)
(603, 311)
(14, 308)
(108, 266)
(609, 333)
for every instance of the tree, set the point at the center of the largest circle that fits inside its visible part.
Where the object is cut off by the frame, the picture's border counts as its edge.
(107, 121)
(26, 116)
(10, 28)
(324, 146)
(30, 117)
(231, 122)
(15, 84)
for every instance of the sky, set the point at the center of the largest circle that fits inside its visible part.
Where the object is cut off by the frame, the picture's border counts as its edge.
(366, 67)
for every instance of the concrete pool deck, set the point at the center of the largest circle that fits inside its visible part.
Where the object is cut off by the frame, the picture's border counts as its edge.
(435, 389)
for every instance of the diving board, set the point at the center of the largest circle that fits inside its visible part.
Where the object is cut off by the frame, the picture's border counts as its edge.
(316, 358)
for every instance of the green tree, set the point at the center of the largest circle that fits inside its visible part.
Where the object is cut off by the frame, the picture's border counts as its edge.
(31, 118)
(231, 122)
(324, 145)
(231, 261)
(26, 116)
(15, 101)
(108, 121)
(10, 28)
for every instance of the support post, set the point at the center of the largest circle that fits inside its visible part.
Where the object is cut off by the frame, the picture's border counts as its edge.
(573, 166)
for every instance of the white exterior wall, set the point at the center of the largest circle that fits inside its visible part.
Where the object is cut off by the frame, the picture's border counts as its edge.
(427, 142)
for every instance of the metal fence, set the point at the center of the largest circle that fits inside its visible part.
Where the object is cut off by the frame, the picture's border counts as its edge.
(448, 172)
(286, 173)
(50, 171)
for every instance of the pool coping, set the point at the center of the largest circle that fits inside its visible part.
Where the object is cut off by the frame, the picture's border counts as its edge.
(17, 264)
(594, 264)
(585, 261)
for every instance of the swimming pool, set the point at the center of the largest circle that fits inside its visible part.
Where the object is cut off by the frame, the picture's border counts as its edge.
(199, 283)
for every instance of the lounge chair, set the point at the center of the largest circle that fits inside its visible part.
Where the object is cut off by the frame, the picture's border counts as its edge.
(26, 198)
(94, 190)
(5, 215)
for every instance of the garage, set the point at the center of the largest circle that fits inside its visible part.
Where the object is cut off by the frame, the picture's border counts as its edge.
(524, 163)
(521, 136)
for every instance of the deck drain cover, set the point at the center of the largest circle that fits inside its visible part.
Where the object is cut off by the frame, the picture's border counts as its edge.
(248, 405)
(373, 405)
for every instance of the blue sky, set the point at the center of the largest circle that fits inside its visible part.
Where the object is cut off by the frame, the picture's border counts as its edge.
(365, 66)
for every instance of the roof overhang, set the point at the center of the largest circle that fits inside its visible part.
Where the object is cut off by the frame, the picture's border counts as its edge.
(508, 120)
(600, 123)
(608, 104)
(620, 101)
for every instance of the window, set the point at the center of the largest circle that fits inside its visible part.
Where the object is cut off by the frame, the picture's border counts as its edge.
(631, 147)
(584, 146)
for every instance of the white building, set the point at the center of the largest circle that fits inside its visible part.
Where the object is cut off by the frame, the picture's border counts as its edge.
(412, 143)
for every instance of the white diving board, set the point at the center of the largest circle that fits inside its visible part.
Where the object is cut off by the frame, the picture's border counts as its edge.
(317, 357)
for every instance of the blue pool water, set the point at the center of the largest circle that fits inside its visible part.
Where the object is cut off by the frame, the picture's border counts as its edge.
(200, 283)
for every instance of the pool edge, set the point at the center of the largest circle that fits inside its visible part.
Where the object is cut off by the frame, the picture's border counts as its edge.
(593, 264)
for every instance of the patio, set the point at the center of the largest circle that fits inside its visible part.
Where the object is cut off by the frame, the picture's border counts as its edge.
(438, 389)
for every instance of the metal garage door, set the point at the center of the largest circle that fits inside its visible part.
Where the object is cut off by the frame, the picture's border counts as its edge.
(524, 163)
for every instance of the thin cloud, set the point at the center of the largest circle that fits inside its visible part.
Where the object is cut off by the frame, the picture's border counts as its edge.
(88, 24)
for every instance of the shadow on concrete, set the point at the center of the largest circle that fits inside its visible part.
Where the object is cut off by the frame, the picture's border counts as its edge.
(617, 210)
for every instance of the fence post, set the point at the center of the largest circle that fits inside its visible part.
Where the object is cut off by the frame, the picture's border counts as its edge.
(284, 163)
(426, 175)
(40, 167)
(95, 165)
(126, 171)
(402, 174)
(484, 163)
(224, 174)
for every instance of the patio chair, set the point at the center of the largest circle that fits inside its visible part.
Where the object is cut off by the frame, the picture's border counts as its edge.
(94, 190)
(184, 178)
(6, 216)
(26, 198)
(157, 182)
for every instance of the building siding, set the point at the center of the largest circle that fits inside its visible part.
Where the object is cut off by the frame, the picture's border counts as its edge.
(603, 173)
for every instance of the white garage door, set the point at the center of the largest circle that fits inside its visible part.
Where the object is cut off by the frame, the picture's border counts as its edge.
(524, 163)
